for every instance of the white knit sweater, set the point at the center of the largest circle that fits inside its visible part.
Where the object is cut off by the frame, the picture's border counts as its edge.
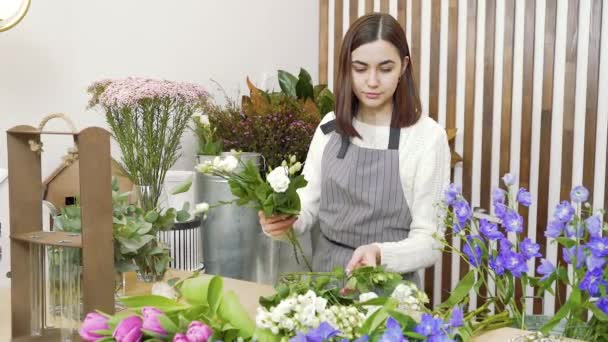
(424, 167)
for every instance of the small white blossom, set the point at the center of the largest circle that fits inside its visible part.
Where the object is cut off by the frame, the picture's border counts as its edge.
(228, 164)
(278, 179)
(295, 168)
(201, 208)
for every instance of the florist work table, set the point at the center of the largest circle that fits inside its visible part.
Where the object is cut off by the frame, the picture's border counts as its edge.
(247, 292)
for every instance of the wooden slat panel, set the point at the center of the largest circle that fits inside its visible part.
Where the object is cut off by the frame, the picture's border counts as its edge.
(469, 114)
(507, 89)
(446, 271)
(353, 10)
(384, 8)
(434, 65)
(416, 42)
(369, 6)
(568, 128)
(487, 116)
(545, 136)
(593, 74)
(323, 40)
(526, 115)
(338, 23)
(401, 13)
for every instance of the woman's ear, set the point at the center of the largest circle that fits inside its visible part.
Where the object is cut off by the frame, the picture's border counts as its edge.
(406, 63)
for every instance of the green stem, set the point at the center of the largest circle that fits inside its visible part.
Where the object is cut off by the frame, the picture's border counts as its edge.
(297, 248)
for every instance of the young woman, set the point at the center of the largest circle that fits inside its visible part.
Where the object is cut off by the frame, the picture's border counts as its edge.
(378, 166)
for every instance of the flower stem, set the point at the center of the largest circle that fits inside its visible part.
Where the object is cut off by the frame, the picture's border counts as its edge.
(297, 248)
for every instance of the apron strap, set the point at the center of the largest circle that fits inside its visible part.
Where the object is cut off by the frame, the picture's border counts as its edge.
(393, 138)
(328, 127)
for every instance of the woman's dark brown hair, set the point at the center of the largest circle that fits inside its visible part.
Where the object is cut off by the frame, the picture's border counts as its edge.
(406, 103)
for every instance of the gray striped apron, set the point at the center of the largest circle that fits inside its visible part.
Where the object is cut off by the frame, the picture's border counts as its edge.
(362, 199)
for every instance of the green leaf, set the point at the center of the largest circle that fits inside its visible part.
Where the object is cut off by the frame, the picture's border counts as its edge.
(151, 216)
(214, 293)
(317, 89)
(145, 228)
(168, 324)
(265, 335)
(412, 334)
(182, 187)
(373, 321)
(304, 87)
(287, 82)
(182, 216)
(566, 242)
(461, 291)
(597, 312)
(194, 290)
(132, 245)
(162, 303)
(572, 303)
(232, 311)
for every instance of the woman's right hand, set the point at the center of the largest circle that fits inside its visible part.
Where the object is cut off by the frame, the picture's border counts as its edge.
(276, 225)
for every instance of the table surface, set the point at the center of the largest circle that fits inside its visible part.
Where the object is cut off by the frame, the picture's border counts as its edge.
(248, 294)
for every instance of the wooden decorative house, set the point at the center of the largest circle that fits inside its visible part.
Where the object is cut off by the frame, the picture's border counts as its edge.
(92, 279)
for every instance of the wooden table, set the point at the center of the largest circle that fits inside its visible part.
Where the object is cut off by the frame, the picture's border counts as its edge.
(248, 294)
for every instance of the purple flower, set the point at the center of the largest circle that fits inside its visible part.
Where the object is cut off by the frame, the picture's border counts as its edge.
(198, 332)
(554, 229)
(179, 337)
(393, 332)
(573, 252)
(545, 269)
(564, 212)
(496, 264)
(500, 210)
(457, 319)
(462, 210)
(129, 330)
(509, 179)
(498, 196)
(594, 262)
(592, 282)
(529, 249)
(505, 245)
(602, 304)
(598, 247)
(322, 333)
(151, 321)
(474, 254)
(524, 197)
(513, 222)
(93, 322)
(515, 263)
(451, 193)
(489, 230)
(594, 226)
(579, 194)
(573, 230)
(429, 326)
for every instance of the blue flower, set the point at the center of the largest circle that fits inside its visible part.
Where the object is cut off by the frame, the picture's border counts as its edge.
(451, 193)
(545, 269)
(579, 194)
(594, 262)
(322, 333)
(594, 226)
(564, 212)
(529, 249)
(498, 196)
(500, 210)
(513, 222)
(573, 231)
(574, 252)
(497, 265)
(592, 282)
(602, 304)
(474, 255)
(509, 179)
(457, 319)
(462, 210)
(515, 263)
(489, 230)
(554, 229)
(393, 332)
(429, 326)
(505, 245)
(598, 247)
(524, 197)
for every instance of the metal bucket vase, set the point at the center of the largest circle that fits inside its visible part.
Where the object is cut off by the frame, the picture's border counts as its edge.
(233, 243)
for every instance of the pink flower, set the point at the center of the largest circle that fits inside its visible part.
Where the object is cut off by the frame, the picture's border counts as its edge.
(129, 330)
(151, 321)
(93, 322)
(198, 332)
(180, 338)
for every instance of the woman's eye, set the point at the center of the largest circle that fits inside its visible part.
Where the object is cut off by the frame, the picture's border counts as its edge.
(359, 70)
(386, 70)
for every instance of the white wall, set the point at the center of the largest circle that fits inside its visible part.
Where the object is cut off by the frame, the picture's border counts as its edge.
(61, 46)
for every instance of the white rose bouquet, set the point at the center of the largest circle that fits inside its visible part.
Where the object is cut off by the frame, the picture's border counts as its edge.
(274, 194)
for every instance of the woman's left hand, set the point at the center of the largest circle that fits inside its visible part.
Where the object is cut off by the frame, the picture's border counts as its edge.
(366, 255)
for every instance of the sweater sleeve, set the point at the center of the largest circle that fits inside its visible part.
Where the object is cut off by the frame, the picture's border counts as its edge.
(310, 195)
(430, 177)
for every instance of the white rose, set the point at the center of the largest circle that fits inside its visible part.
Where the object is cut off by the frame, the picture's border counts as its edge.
(229, 164)
(201, 208)
(278, 179)
(364, 297)
(164, 289)
(205, 167)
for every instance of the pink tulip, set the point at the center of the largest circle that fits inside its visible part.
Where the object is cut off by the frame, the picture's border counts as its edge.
(198, 332)
(129, 330)
(180, 338)
(151, 321)
(93, 322)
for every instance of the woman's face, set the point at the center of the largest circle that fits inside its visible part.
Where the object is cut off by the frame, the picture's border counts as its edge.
(376, 69)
